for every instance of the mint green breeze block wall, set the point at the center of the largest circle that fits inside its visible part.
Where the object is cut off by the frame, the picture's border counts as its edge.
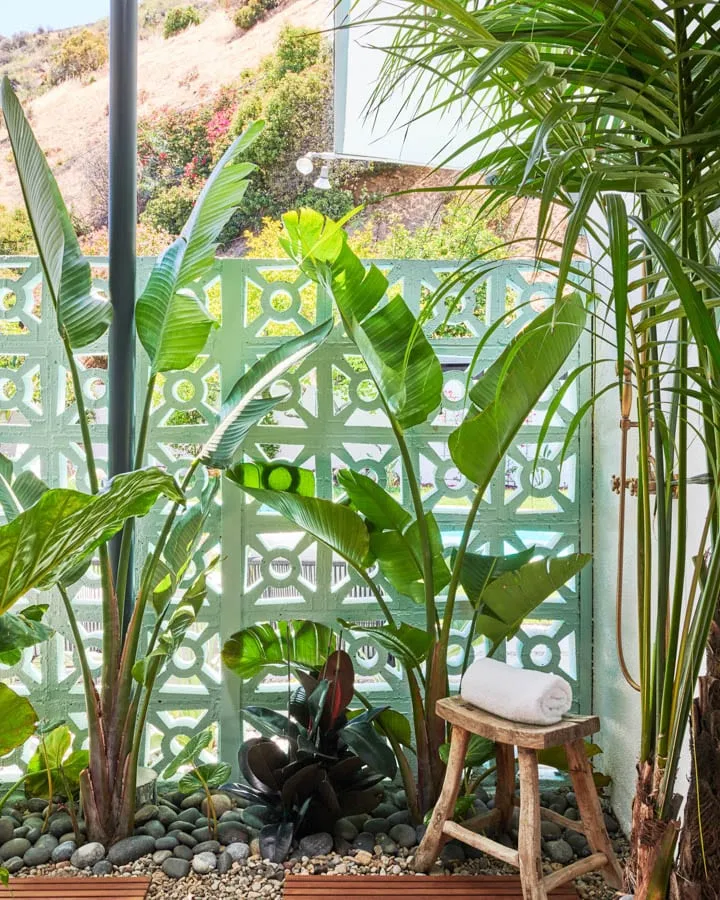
(331, 419)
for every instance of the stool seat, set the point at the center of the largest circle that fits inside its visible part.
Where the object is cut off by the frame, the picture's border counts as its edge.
(507, 735)
(539, 737)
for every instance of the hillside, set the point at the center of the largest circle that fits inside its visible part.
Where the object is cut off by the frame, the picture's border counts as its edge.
(71, 121)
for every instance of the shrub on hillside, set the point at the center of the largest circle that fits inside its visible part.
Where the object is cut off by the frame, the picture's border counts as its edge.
(16, 237)
(179, 18)
(296, 50)
(170, 208)
(252, 11)
(81, 53)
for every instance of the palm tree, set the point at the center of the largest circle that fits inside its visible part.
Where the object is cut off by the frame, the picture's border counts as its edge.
(609, 109)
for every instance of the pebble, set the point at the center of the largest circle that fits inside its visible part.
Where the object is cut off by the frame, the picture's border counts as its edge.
(364, 841)
(559, 851)
(363, 857)
(221, 802)
(37, 856)
(204, 863)
(86, 856)
(550, 831)
(146, 813)
(238, 852)
(7, 828)
(206, 847)
(14, 864)
(64, 851)
(345, 829)
(102, 867)
(176, 868)
(37, 805)
(193, 801)
(403, 835)
(60, 824)
(319, 844)
(159, 856)
(183, 852)
(130, 849)
(187, 839)
(376, 826)
(232, 832)
(189, 815)
(14, 847)
(154, 828)
(166, 843)
(224, 863)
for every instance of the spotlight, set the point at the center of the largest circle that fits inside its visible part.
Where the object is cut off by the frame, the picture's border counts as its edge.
(304, 165)
(323, 181)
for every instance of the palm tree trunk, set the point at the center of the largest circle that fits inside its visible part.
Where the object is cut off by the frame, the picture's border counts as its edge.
(652, 841)
(698, 869)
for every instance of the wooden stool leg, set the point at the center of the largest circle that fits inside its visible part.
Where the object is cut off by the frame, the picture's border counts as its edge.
(505, 789)
(531, 873)
(445, 807)
(591, 813)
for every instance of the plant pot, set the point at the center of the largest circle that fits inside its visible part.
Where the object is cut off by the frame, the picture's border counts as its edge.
(146, 790)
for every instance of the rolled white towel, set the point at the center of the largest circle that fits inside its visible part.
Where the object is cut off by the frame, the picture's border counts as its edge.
(522, 695)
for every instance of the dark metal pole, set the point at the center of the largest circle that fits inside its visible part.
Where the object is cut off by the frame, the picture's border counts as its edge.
(122, 223)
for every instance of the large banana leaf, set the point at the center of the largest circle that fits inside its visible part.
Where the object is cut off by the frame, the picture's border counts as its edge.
(18, 719)
(47, 541)
(296, 642)
(23, 630)
(400, 557)
(400, 359)
(478, 570)
(82, 315)
(372, 501)
(172, 324)
(509, 599)
(506, 394)
(342, 529)
(245, 405)
(409, 644)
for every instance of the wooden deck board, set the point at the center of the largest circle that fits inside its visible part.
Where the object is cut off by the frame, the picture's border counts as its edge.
(354, 887)
(78, 888)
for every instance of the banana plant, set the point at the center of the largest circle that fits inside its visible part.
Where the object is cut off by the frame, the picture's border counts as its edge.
(52, 535)
(368, 527)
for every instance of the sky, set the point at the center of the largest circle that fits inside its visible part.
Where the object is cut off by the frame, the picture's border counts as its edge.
(27, 15)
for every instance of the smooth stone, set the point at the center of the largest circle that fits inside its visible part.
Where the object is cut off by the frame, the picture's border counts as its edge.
(572, 814)
(221, 802)
(559, 851)
(86, 856)
(576, 840)
(571, 799)
(202, 822)
(387, 844)
(154, 828)
(166, 816)
(22, 832)
(173, 798)
(400, 799)
(401, 817)
(47, 840)
(34, 835)
(550, 831)
(131, 849)
(342, 846)
(194, 800)
(359, 820)
(364, 841)
(230, 832)
(60, 824)
(14, 847)
(376, 826)
(206, 847)
(166, 843)
(102, 867)
(202, 834)
(37, 856)
(345, 829)
(453, 852)
(7, 828)
(255, 847)
(159, 856)
(187, 839)
(14, 864)
(33, 820)
(64, 851)
(70, 836)
(146, 813)
(420, 833)
(182, 852)
(189, 815)
(403, 835)
(180, 825)
(610, 823)
(37, 805)
(384, 810)
(235, 815)
(204, 863)
(176, 868)
(224, 863)
(238, 852)
(319, 844)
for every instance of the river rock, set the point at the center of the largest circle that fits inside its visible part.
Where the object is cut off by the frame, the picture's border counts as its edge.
(166, 843)
(183, 852)
(559, 851)
(230, 832)
(404, 835)
(37, 856)
(131, 849)
(86, 856)
(60, 824)
(204, 863)
(224, 863)
(7, 828)
(238, 852)
(159, 856)
(64, 851)
(206, 847)
(176, 868)
(14, 847)
(14, 864)
(319, 844)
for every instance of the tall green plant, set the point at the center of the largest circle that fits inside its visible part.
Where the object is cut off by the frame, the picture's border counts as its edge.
(369, 527)
(54, 533)
(608, 110)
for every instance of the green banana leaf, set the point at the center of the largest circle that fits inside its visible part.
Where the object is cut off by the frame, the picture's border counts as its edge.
(297, 642)
(190, 752)
(400, 359)
(184, 615)
(409, 644)
(20, 631)
(395, 725)
(478, 570)
(82, 315)
(399, 555)
(373, 502)
(343, 530)
(507, 393)
(18, 492)
(245, 405)
(511, 597)
(172, 324)
(50, 539)
(18, 717)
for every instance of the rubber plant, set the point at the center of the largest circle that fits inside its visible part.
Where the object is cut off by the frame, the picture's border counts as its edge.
(331, 766)
(606, 112)
(56, 532)
(368, 527)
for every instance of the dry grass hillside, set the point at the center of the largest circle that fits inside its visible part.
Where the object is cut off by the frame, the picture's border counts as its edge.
(71, 121)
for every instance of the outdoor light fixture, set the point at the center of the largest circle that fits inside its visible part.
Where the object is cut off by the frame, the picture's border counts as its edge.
(323, 180)
(305, 165)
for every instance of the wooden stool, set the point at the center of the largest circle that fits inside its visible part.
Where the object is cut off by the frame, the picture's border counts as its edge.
(467, 719)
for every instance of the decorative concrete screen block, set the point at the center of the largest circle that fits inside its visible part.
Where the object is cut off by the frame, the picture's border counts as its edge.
(330, 419)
